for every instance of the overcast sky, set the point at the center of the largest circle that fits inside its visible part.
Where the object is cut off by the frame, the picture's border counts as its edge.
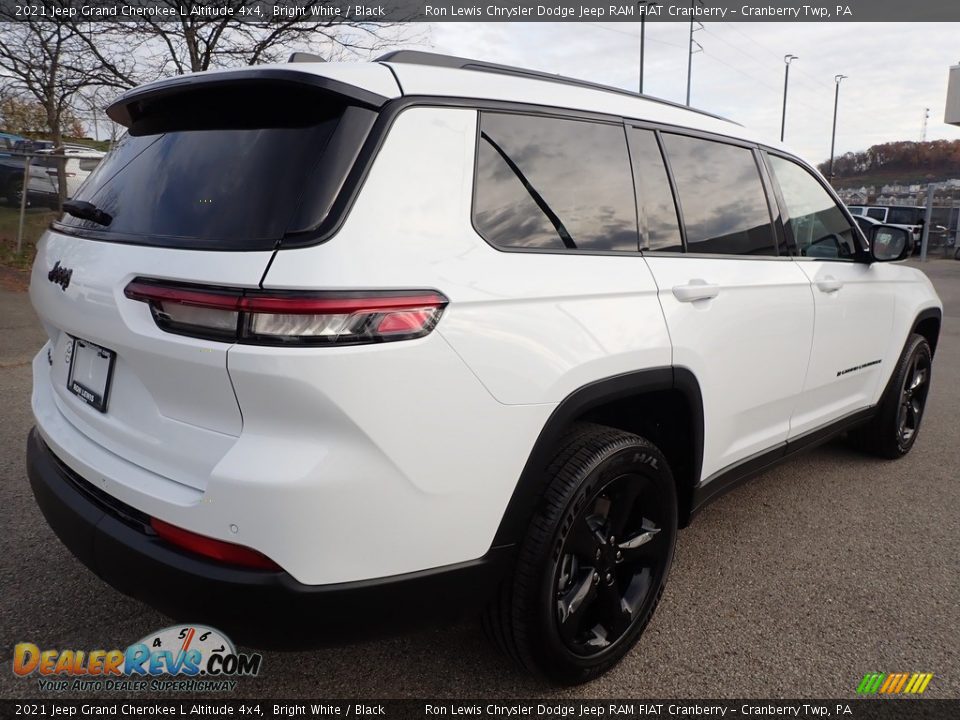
(895, 71)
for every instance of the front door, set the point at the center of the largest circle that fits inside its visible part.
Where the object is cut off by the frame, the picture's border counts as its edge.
(854, 303)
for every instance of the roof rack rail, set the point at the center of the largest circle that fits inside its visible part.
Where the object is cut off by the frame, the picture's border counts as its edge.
(419, 57)
(304, 57)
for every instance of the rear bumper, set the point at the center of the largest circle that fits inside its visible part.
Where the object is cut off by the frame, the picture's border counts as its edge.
(261, 608)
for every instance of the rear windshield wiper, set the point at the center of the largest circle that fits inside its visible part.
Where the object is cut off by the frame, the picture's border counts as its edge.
(87, 211)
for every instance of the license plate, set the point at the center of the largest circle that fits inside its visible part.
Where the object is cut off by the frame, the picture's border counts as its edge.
(91, 369)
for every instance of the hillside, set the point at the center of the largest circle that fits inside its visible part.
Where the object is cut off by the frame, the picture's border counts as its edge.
(900, 162)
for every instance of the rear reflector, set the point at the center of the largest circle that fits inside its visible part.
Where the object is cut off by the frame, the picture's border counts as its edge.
(215, 549)
(285, 318)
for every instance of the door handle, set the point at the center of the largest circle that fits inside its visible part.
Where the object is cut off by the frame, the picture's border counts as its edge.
(695, 290)
(829, 284)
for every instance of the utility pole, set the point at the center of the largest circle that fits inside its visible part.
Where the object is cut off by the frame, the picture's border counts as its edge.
(833, 136)
(787, 59)
(926, 118)
(644, 6)
(693, 4)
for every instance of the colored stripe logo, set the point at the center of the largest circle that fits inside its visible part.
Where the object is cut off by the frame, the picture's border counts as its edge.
(894, 683)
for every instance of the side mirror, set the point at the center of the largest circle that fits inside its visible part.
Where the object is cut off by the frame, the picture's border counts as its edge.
(889, 243)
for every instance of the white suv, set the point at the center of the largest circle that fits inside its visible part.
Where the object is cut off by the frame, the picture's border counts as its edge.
(421, 336)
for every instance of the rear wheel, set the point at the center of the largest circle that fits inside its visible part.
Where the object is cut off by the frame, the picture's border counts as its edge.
(595, 559)
(894, 429)
(13, 193)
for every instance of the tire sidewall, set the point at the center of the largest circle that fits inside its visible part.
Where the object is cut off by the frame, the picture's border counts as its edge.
(917, 345)
(637, 458)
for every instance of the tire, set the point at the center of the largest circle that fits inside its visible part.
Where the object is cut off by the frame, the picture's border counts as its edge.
(894, 429)
(12, 193)
(579, 599)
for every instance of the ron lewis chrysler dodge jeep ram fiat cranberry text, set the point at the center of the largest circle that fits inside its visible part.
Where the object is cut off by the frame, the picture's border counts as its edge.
(427, 335)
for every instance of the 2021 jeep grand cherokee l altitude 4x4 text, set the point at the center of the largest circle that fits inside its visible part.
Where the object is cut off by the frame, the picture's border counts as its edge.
(427, 333)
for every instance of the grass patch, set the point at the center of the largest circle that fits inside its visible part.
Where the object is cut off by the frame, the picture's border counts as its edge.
(34, 223)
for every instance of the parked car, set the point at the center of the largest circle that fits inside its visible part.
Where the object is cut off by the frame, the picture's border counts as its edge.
(8, 143)
(446, 336)
(44, 185)
(910, 218)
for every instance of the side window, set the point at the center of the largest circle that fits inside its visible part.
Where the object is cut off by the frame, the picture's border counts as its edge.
(877, 213)
(818, 225)
(721, 196)
(553, 183)
(656, 210)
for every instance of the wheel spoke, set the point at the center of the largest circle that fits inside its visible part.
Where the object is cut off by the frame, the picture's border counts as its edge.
(572, 604)
(622, 506)
(919, 378)
(902, 417)
(618, 613)
(641, 548)
(915, 410)
(637, 589)
(584, 538)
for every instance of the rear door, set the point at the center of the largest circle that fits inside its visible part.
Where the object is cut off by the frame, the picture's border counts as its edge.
(739, 313)
(854, 300)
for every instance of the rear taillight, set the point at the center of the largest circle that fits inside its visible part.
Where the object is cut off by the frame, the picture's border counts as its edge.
(219, 550)
(289, 318)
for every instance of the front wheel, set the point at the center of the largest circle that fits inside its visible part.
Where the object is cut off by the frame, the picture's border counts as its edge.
(595, 559)
(894, 428)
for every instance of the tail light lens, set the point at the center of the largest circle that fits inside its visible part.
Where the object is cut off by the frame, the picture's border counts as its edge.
(288, 318)
(209, 547)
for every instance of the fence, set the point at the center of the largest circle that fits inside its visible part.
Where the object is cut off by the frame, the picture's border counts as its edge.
(43, 178)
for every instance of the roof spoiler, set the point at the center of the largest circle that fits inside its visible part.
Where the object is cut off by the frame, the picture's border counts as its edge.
(135, 104)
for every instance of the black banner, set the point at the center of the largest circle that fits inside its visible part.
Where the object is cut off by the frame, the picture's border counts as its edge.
(874, 709)
(327, 11)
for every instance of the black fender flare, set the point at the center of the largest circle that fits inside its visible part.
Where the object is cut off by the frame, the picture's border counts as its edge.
(533, 479)
(934, 313)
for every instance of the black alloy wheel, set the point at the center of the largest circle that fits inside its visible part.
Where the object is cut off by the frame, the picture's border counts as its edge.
(610, 561)
(593, 564)
(894, 428)
(913, 397)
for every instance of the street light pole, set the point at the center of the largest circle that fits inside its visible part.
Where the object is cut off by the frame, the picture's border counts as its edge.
(833, 135)
(787, 59)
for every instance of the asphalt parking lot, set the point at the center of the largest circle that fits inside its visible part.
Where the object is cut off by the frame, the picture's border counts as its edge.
(794, 585)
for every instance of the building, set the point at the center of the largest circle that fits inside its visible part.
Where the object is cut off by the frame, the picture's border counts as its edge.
(952, 114)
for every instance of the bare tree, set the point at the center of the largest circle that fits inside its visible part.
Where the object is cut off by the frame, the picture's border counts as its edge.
(46, 61)
(196, 42)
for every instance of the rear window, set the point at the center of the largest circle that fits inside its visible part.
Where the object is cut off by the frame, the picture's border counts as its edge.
(552, 183)
(222, 169)
(904, 216)
(722, 198)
